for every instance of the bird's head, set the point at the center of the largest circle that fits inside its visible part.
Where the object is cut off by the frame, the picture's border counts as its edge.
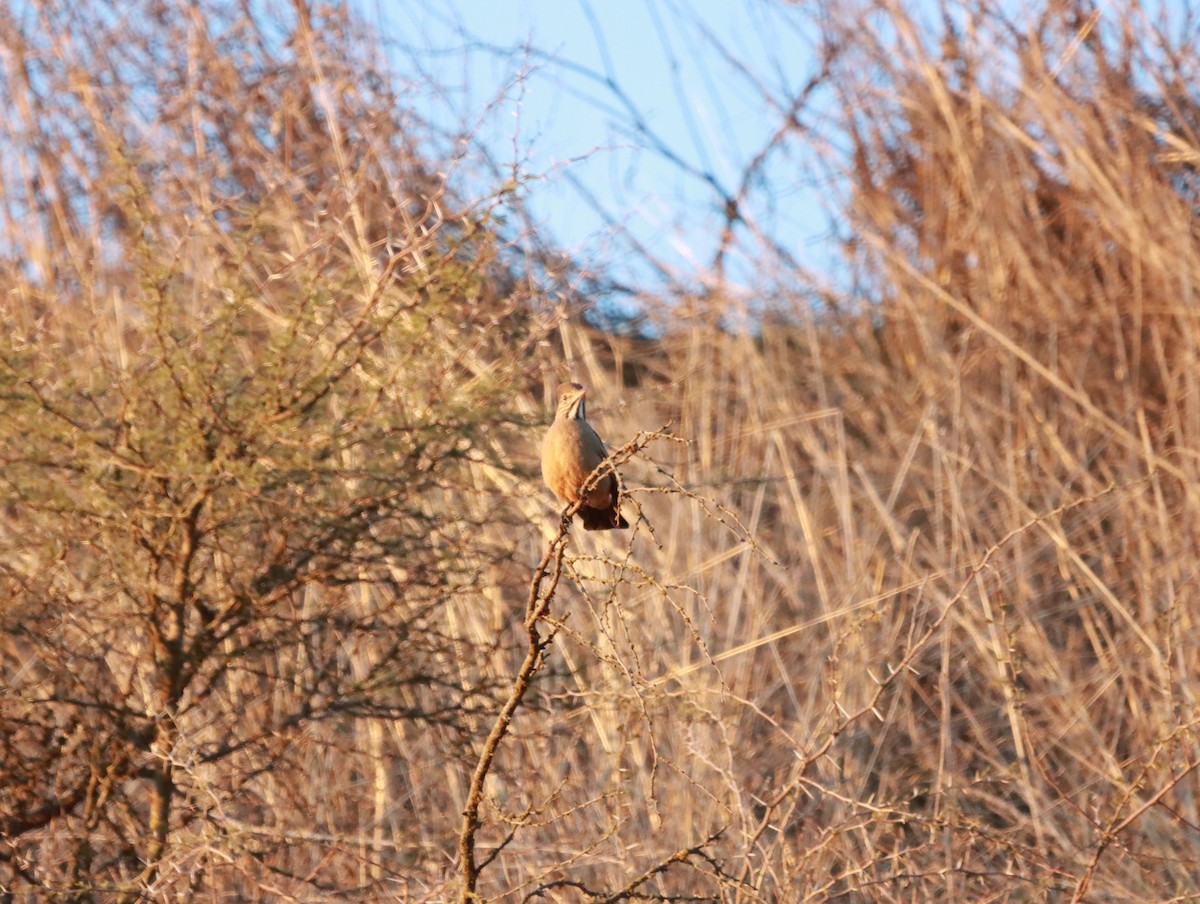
(571, 402)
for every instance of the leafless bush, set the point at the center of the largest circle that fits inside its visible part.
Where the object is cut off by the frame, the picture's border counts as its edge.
(909, 615)
(255, 349)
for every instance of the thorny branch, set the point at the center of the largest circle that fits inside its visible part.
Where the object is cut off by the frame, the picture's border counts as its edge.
(542, 588)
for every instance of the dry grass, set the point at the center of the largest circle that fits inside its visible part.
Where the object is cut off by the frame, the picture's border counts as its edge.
(912, 610)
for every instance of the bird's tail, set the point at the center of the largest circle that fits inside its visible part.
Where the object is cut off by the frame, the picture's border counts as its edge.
(602, 519)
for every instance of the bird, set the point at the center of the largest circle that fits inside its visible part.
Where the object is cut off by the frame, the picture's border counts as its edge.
(571, 451)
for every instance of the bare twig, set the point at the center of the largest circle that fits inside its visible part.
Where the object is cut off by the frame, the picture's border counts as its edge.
(541, 592)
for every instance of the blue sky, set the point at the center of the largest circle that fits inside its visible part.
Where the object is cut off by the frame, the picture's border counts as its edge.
(589, 100)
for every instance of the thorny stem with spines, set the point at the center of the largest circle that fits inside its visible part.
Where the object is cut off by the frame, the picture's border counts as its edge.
(542, 587)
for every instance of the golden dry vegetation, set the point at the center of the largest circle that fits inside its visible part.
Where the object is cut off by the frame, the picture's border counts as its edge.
(910, 609)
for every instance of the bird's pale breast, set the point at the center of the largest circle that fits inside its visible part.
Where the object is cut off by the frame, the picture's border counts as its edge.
(570, 453)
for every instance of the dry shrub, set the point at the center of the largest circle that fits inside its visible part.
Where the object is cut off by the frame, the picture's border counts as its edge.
(912, 614)
(255, 349)
(977, 679)
(953, 659)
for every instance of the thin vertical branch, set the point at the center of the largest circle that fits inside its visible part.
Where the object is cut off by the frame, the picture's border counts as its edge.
(541, 592)
(542, 588)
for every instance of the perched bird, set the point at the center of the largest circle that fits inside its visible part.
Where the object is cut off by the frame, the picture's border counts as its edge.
(570, 453)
